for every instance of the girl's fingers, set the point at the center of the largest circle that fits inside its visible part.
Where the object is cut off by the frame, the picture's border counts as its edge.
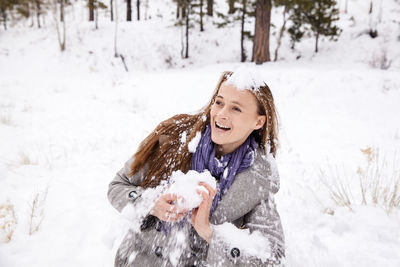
(211, 191)
(163, 205)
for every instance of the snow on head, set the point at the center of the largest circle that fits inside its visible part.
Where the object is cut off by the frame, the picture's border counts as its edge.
(246, 79)
(185, 185)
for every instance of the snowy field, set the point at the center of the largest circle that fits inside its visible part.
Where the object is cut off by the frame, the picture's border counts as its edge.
(69, 121)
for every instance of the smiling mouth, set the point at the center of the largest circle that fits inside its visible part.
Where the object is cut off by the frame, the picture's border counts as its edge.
(222, 127)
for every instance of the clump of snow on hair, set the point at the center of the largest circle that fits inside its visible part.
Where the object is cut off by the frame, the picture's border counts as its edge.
(194, 142)
(246, 79)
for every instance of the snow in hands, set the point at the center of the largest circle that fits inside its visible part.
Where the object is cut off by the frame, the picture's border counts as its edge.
(185, 186)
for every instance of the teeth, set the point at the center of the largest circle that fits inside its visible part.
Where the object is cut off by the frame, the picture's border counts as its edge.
(221, 126)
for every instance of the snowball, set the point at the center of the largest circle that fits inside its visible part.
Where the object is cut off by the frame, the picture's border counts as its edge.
(246, 78)
(185, 185)
(194, 142)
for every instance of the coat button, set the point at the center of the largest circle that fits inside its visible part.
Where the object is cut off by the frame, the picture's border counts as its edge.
(235, 252)
(133, 194)
(158, 226)
(158, 251)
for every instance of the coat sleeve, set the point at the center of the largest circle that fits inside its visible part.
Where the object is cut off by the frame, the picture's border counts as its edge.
(124, 188)
(263, 218)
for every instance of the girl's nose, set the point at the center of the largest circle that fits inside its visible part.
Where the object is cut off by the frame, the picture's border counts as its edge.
(223, 113)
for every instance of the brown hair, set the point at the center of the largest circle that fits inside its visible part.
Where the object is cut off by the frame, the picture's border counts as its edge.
(166, 148)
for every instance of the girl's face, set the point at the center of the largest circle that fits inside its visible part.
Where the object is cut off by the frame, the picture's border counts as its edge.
(233, 117)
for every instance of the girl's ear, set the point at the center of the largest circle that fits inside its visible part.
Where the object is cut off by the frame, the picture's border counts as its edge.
(260, 122)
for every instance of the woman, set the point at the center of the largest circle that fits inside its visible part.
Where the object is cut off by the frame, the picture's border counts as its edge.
(238, 144)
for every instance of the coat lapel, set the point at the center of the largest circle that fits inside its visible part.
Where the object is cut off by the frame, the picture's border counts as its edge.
(247, 191)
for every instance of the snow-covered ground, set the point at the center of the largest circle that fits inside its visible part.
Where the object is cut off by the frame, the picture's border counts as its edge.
(68, 122)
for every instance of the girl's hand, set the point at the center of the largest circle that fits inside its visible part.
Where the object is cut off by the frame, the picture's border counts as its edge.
(166, 210)
(201, 215)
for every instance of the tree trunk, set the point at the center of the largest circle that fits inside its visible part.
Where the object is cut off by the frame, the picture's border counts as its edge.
(146, 6)
(138, 9)
(62, 10)
(184, 4)
(111, 10)
(210, 4)
(316, 42)
(61, 39)
(28, 5)
(201, 16)
(242, 52)
(128, 10)
(63, 45)
(4, 15)
(261, 32)
(91, 10)
(281, 32)
(97, 17)
(28, 8)
(38, 12)
(187, 5)
(371, 7)
(116, 29)
(231, 7)
(178, 8)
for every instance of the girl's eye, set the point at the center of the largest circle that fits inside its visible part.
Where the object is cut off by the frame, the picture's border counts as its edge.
(218, 102)
(237, 109)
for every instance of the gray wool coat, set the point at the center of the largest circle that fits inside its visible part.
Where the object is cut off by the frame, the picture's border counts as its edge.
(249, 203)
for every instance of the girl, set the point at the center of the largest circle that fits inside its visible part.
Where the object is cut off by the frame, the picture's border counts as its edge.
(237, 142)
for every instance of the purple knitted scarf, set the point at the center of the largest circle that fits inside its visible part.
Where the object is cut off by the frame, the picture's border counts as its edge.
(226, 168)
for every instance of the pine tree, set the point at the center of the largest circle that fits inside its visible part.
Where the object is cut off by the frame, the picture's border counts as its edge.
(317, 17)
(128, 10)
(5, 8)
(184, 11)
(196, 8)
(91, 9)
(244, 11)
(138, 9)
(111, 10)
(210, 7)
(98, 4)
(231, 4)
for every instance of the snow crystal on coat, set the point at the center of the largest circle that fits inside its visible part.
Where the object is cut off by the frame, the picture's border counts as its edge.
(246, 78)
(194, 142)
(185, 185)
(253, 244)
(179, 246)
